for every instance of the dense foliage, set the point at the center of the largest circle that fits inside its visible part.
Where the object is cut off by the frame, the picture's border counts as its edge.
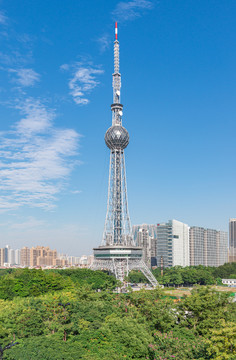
(72, 320)
(189, 275)
(32, 282)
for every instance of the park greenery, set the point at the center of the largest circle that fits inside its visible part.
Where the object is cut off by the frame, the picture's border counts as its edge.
(78, 314)
(190, 275)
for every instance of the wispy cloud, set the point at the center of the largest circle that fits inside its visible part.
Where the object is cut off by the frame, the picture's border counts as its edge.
(16, 47)
(35, 159)
(104, 42)
(25, 77)
(3, 18)
(83, 81)
(123, 12)
(30, 223)
(76, 192)
(37, 118)
(130, 10)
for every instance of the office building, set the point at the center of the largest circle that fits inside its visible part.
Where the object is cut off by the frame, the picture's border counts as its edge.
(173, 243)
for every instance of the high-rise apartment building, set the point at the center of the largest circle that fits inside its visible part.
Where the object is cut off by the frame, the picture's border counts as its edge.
(173, 243)
(17, 256)
(2, 256)
(153, 252)
(196, 245)
(7, 249)
(232, 240)
(151, 228)
(210, 255)
(222, 247)
(42, 256)
(25, 256)
(144, 241)
(208, 247)
(148, 243)
(11, 257)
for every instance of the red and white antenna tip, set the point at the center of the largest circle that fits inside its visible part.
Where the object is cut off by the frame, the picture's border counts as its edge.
(116, 30)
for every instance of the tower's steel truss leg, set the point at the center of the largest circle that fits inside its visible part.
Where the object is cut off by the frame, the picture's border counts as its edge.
(121, 268)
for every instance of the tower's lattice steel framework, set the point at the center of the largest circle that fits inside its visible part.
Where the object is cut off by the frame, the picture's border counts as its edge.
(118, 252)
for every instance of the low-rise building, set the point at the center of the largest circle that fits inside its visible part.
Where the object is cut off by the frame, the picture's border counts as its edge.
(229, 282)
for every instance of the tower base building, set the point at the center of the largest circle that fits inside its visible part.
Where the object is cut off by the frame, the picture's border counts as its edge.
(120, 260)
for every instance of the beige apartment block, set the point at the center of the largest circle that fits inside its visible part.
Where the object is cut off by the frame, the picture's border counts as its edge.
(42, 256)
(25, 256)
(60, 262)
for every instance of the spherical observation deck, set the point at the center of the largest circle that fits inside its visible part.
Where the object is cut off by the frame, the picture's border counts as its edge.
(117, 137)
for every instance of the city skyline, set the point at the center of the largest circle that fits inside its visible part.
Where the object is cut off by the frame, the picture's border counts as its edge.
(178, 67)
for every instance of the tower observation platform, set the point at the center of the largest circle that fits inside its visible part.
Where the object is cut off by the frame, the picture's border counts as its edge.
(118, 252)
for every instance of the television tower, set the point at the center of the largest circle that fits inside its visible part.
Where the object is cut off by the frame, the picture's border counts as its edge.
(118, 252)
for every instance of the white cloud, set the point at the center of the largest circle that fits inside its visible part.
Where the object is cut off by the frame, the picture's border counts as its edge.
(3, 18)
(130, 10)
(35, 159)
(104, 42)
(37, 117)
(25, 77)
(83, 81)
(64, 67)
(76, 192)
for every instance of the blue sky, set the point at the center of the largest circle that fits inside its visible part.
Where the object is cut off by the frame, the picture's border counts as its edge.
(178, 91)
